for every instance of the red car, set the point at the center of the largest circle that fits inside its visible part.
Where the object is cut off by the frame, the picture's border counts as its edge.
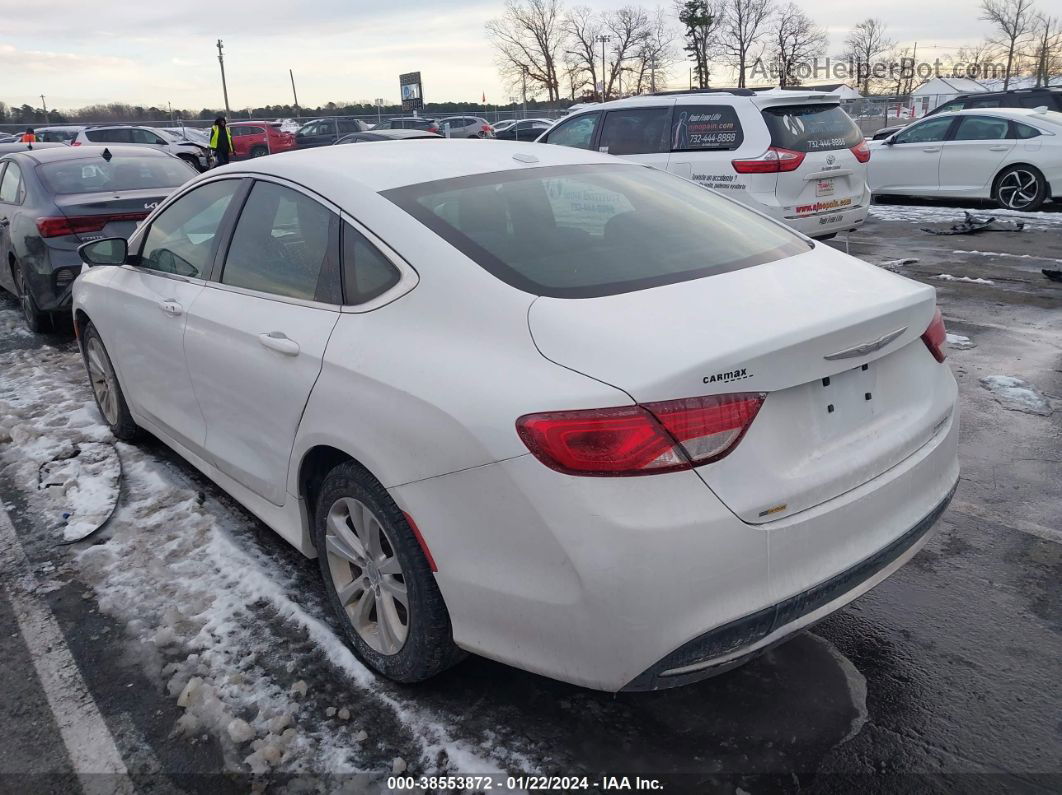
(257, 139)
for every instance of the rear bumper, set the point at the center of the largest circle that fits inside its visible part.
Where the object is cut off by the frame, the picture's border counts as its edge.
(609, 583)
(728, 646)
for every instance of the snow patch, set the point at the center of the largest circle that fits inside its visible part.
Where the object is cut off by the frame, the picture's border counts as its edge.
(947, 277)
(1017, 395)
(83, 488)
(209, 609)
(959, 341)
(936, 214)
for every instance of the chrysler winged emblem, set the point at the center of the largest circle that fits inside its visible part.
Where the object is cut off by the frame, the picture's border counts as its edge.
(866, 347)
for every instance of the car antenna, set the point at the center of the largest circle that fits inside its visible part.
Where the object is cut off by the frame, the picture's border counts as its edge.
(107, 155)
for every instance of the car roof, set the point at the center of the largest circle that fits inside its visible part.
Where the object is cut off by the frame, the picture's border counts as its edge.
(15, 146)
(1022, 113)
(64, 152)
(1001, 93)
(333, 169)
(398, 135)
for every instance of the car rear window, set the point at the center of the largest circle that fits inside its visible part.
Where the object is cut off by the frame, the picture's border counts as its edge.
(90, 175)
(811, 128)
(701, 127)
(593, 230)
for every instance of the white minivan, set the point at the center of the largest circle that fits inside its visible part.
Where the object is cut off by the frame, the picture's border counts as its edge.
(796, 156)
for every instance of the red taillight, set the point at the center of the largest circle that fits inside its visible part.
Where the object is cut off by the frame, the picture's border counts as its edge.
(81, 224)
(935, 336)
(861, 151)
(75, 142)
(487, 128)
(433, 129)
(772, 161)
(646, 439)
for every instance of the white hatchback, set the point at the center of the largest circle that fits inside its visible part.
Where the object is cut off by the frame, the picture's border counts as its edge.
(795, 156)
(544, 405)
(1010, 155)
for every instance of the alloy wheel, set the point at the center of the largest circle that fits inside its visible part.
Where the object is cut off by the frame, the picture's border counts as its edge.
(102, 378)
(367, 575)
(1018, 189)
(25, 300)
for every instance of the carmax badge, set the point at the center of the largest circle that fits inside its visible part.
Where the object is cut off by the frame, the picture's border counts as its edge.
(866, 347)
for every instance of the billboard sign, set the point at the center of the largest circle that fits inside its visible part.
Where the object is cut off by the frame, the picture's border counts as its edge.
(412, 94)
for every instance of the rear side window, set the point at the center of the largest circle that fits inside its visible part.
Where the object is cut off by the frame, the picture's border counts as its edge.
(997, 102)
(586, 231)
(1024, 130)
(981, 128)
(282, 244)
(577, 132)
(114, 136)
(700, 127)
(367, 273)
(636, 131)
(811, 128)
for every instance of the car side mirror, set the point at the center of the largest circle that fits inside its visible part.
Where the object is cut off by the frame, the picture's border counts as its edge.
(890, 140)
(109, 251)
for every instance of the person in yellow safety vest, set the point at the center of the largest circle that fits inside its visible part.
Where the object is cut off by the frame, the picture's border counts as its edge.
(28, 137)
(221, 141)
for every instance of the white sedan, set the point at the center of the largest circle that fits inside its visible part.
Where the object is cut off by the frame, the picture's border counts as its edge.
(539, 404)
(1010, 155)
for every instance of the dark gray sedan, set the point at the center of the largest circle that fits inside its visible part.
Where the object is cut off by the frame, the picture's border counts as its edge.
(53, 199)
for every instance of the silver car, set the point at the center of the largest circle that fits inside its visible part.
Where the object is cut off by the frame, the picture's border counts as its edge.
(195, 154)
(466, 127)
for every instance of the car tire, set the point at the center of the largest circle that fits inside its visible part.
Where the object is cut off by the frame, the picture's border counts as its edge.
(259, 151)
(110, 400)
(1020, 187)
(365, 580)
(37, 320)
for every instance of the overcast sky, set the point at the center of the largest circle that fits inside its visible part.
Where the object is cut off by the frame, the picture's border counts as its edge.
(78, 53)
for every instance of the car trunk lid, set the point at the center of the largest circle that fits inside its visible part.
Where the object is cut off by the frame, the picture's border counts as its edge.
(92, 216)
(817, 333)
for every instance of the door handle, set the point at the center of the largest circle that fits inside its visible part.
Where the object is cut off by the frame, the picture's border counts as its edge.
(279, 341)
(4, 221)
(931, 149)
(171, 307)
(998, 148)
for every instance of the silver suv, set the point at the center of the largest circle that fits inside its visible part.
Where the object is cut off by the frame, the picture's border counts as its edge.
(195, 154)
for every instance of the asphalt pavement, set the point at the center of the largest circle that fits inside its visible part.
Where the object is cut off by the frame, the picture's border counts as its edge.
(945, 678)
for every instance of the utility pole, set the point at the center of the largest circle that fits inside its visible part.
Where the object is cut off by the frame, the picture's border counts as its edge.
(291, 74)
(45, 104)
(604, 67)
(224, 88)
(652, 73)
(523, 87)
(169, 107)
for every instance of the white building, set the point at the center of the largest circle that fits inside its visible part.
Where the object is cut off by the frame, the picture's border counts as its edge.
(939, 90)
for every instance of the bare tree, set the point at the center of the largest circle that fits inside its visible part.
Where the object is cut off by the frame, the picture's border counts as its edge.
(628, 30)
(1047, 49)
(1013, 21)
(795, 40)
(866, 43)
(700, 20)
(582, 26)
(975, 60)
(744, 27)
(655, 57)
(528, 38)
